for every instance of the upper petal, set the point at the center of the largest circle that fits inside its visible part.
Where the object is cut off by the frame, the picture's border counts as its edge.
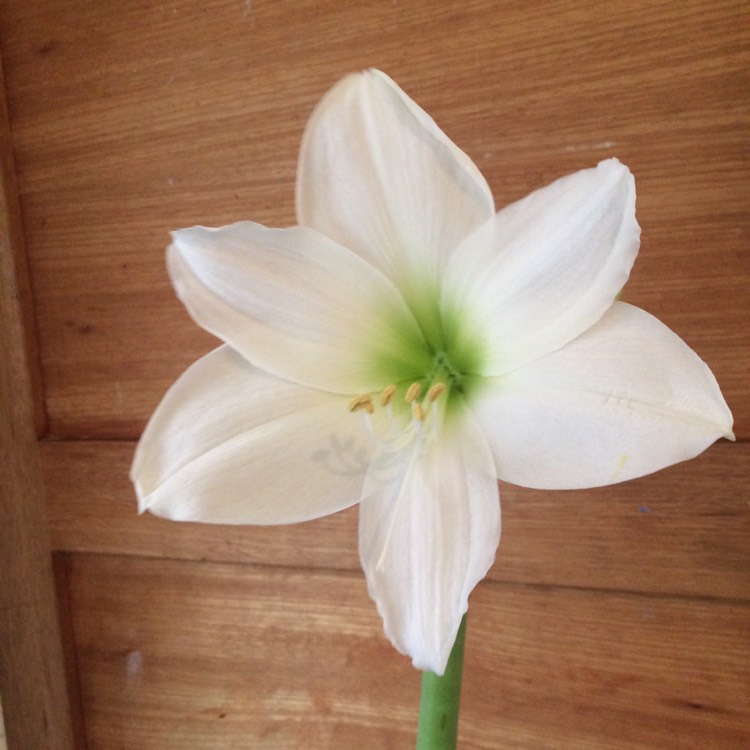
(546, 268)
(296, 304)
(429, 527)
(378, 175)
(626, 398)
(231, 444)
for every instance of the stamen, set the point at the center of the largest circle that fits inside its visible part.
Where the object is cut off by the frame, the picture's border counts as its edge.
(412, 393)
(367, 424)
(435, 392)
(387, 395)
(418, 411)
(362, 402)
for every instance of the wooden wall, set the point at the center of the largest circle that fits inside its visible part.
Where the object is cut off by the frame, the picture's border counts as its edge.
(613, 618)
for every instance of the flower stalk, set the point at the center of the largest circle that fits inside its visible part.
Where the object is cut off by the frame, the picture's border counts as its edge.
(438, 706)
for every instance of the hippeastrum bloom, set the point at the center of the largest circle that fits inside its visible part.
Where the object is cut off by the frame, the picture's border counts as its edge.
(405, 346)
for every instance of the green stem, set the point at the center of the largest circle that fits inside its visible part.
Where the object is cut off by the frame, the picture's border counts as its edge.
(438, 707)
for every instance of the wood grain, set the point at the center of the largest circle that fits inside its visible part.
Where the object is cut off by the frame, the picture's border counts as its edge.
(3, 745)
(613, 618)
(683, 530)
(131, 119)
(554, 668)
(32, 682)
(16, 245)
(175, 654)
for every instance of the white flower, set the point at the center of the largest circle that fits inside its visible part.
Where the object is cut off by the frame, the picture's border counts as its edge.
(401, 273)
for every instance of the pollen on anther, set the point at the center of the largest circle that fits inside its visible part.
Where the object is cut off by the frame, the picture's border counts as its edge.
(387, 395)
(418, 411)
(435, 392)
(359, 403)
(412, 392)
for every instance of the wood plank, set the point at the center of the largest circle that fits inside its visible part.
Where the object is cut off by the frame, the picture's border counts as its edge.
(683, 530)
(3, 745)
(201, 655)
(580, 669)
(178, 654)
(32, 682)
(13, 228)
(128, 124)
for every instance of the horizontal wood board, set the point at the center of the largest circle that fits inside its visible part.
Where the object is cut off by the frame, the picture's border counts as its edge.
(176, 653)
(684, 530)
(134, 118)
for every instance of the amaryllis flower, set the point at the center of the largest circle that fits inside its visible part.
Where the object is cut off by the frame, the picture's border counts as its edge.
(405, 346)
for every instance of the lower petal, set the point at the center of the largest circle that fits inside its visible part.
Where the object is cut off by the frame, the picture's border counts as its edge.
(232, 444)
(625, 399)
(428, 531)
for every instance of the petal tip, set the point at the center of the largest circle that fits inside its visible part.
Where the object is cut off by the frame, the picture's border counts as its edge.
(729, 435)
(612, 163)
(141, 497)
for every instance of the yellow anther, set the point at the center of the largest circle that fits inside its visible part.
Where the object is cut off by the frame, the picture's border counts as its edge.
(361, 402)
(412, 392)
(435, 392)
(387, 395)
(417, 410)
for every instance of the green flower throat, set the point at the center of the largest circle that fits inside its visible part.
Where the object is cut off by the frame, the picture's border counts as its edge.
(428, 362)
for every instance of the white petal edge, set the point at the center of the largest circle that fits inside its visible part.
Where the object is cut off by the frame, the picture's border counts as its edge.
(295, 304)
(378, 175)
(231, 444)
(546, 268)
(625, 399)
(429, 526)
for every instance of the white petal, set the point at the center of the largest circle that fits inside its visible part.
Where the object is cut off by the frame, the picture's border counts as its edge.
(627, 398)
(547, 268)
(378, 175)
(231, 444)
(429, 527)
(296, 304)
